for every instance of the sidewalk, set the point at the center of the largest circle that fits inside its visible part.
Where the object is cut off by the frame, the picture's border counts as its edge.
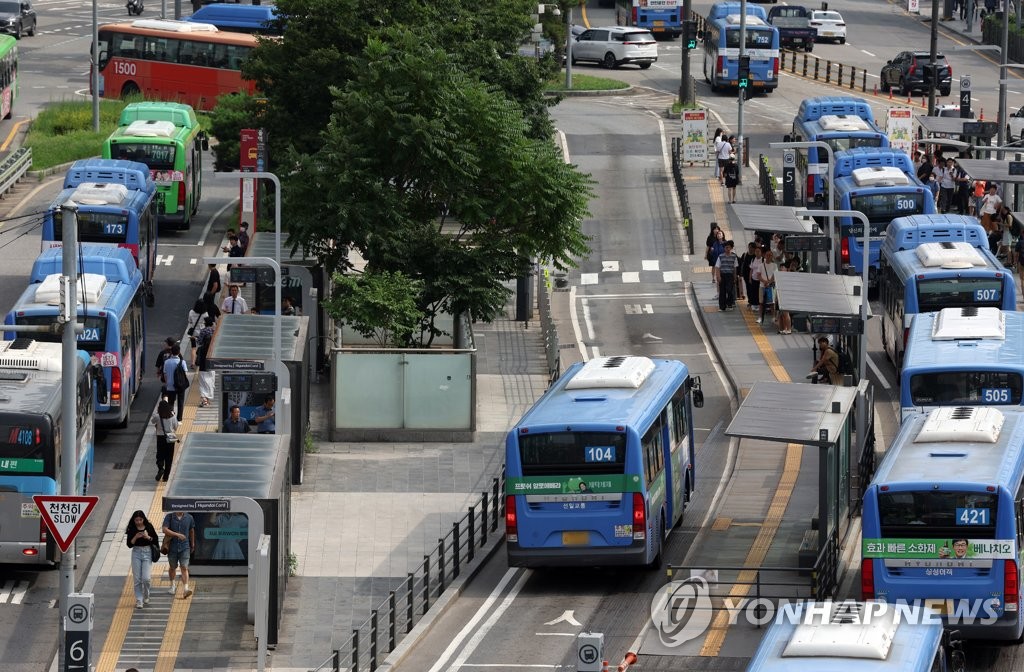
(364, 517)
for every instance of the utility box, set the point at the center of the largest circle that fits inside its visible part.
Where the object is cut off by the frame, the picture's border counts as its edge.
(589, 651)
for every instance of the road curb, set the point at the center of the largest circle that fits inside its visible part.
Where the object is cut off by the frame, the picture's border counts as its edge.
(714, 345)
(442, 605)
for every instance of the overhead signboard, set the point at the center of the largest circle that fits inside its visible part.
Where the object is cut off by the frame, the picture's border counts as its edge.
(64, 516)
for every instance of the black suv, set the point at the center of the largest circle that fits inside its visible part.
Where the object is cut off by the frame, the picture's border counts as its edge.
(905, 73)
(17, 17)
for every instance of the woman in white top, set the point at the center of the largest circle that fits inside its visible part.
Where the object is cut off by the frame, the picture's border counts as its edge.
(722, 150)
(989, 206)
(767, 282)
(718, 138)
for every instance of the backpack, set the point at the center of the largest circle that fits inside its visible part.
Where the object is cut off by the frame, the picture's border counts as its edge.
(845, 361)
(180, 377)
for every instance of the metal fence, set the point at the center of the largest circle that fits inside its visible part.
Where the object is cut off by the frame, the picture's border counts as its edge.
(367, 646)
(547, 325)
(768, 182)
(684, 198)
(992, 33)
(824, 70)
(14, 167)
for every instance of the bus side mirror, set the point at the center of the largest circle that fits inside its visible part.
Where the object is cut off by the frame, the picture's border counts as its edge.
(205, 143)
(698, 398)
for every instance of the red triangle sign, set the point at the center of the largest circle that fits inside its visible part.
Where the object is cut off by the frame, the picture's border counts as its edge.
(64, 516)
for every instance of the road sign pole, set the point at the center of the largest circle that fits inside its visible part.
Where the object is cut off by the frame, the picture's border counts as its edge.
(965, 96)
(789, 177)
(69, 385)
(78, 621)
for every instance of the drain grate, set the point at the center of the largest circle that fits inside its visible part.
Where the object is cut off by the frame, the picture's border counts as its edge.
(122, 465)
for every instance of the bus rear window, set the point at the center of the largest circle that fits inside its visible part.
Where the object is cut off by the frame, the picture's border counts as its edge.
(931, 514)
(942, 293)
(24, 449)
(882, 208)
(94, 227)
(157, 157)
(839, 144)
(570, 453)
(953, 388)
(756, 39)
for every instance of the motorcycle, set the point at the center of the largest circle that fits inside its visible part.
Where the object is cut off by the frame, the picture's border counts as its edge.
(134, 7)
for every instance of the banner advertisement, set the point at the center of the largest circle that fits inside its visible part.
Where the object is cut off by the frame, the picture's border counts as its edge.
(695, 135)
(899, 126)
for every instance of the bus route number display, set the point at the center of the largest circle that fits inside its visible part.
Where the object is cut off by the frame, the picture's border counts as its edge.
(990, 294)
(966, 516)
(599, 454)
(997, 395)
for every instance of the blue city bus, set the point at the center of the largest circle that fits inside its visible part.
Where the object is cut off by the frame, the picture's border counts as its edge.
(720, 10)
(852, 637)
(722, 52)
(943, 518)
(232, 18)
(963, 357)
(882, 184)
(31, 413)
(931, 262)
(601, 468)
(116, 205)
(844, 122)
(110, 307)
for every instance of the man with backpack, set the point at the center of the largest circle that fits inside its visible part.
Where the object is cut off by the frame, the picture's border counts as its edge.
(176, 379)
(828, 365)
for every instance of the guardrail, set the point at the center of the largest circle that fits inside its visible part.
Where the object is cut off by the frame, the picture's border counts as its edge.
(552, 349)
(14, 167)
(821, 69)
(395, 617)
(684, 198)
(767, 181)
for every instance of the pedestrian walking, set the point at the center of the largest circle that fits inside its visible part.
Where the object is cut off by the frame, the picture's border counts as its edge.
(166, 437)
(947, 185)
(718, 138)
(213, 281)
(141, 538)
(234, 424)
(732, 177)
(265, 417)
(722, 151)
(163, 355)
(194, 323)
(754, 277)
(716, 246)
(990, 205)
(181, 528)
(743, 277)
(210, 308)
(173, 389)
(206, 375)
(725, 273)
(234, 304)
(243, 236)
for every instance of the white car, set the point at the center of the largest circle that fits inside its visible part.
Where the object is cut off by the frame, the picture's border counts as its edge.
(830, 25)
(613, 46)
(1015, 126)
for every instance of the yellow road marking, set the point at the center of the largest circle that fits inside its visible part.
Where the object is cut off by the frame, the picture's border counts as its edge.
(758, 550)
(721, 524)
(10, 136)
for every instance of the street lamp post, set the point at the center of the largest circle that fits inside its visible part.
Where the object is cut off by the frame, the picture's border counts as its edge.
(860, 216)
(818, 144)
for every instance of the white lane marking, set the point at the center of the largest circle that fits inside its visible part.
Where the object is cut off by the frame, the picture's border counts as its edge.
(596, 351)
(555, 634)
(650, 264)
(878, 373)
(576, 323)
(865, 51)
(588, 278)
(586, 318)
(193, 261)
(209, 224)
(485, 629)
(631, 277)
(19, 592)
(162, 260)
(672, 276)
(491, 599)
(638, 295)
(610, 266)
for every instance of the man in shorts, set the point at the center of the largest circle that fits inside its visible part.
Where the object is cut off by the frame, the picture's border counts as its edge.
(181, 528)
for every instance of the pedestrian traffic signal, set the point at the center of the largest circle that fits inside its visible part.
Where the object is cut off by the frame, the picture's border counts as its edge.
(743, 75)
(690, 34)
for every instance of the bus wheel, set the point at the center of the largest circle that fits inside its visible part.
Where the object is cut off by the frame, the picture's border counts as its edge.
(656, 562)
(129, 89)
(150, 295)
(127, 417)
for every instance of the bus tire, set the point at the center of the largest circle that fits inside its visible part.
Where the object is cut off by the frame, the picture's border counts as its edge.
(129, 89)
(127, 417)
(655, 563)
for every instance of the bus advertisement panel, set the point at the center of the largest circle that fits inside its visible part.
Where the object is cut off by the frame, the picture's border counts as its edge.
(8, 75)
(602, 482)
(31, 413)
(942, 518)
(174, 61)
(168, 139)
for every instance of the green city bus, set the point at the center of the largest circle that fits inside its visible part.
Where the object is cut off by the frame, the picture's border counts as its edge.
(8, 75)
(167, 138)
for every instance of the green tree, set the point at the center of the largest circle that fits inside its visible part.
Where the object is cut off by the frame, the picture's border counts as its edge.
(234, 112)
(379, 306)
(424, 169)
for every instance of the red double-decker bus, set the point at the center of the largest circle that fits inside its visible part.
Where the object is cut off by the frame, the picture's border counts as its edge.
(175, 61)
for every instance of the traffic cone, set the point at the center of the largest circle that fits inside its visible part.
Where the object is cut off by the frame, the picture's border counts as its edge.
(876, 90)
(890, 93)
(981, 116)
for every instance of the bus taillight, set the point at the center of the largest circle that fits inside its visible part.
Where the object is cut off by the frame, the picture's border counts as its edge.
(775, 68)
(635, 18)
(181, 195)
(1011, 586)
(115, 386)
(810, 187)
(639, 517)
(867, 579)
(720, 66)
(844, 250)
(511, 524)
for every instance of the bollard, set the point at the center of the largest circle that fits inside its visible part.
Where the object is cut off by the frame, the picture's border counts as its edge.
(875, 92)
(828, 72)
(816, 62)
(839, 75)
(804, 73)
(864, 81)
(890, 93)
(853, 78)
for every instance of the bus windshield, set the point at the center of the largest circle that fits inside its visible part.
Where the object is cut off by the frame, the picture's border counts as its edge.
(23, 450)
(570, 453)
(950, 388)
(930, 514)
(933, 295)
(883, 207)
(92, 339)
(94, 227)
(757, 38)
(157, 157)
(838, 144)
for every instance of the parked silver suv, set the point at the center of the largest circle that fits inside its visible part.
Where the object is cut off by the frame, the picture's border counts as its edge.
(613, 46)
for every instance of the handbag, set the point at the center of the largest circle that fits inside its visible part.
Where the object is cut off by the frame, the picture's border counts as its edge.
(180, 377)
(170, 437)
(154, 552)
(165, 547)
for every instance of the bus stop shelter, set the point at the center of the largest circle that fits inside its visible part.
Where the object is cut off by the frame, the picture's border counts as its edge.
(970, 131)
(1002, 172)
(802, 234)
(216, 475)
(245, 343)
(836, 420)
(829, 304)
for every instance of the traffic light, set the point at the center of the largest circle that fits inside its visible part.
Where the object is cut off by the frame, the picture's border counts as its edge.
(690, 34)
(744, 72)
